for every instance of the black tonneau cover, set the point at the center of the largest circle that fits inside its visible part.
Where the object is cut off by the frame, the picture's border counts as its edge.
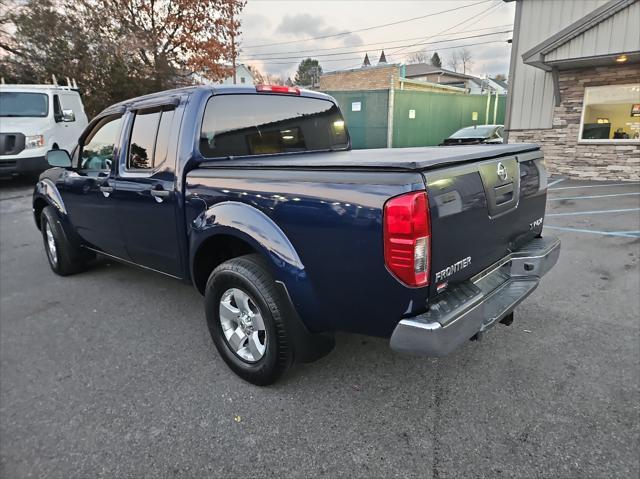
(389, 158)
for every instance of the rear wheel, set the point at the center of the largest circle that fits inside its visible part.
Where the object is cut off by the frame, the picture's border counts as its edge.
(245, 316)
(64, 258)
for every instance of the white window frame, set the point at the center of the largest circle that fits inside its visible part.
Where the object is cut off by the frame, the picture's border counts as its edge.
(621, 141)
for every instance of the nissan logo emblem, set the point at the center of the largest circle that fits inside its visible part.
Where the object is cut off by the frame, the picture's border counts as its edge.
(502, 172)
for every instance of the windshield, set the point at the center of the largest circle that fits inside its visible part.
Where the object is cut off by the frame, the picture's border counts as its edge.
(256, 124)
(23, 104)
(474, 132)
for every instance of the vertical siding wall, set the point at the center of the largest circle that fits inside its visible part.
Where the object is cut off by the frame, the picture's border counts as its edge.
(367, 127)
(436, 116)
(532, 88)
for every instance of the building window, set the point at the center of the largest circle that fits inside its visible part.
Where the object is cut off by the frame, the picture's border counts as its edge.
(611, 114)
(241, 79)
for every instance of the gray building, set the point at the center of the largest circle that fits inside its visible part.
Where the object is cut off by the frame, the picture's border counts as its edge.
(473, 84)
(574, 85)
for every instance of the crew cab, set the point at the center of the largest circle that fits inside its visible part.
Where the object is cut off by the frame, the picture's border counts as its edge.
(35, 119)
(253, 195)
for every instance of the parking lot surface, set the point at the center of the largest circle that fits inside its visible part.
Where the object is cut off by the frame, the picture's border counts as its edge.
(111, 373)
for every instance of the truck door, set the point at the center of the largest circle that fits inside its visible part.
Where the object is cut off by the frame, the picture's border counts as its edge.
(87, 189)
(145, 190)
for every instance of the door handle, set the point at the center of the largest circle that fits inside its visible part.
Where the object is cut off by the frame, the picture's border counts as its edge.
(159, 194)
(106, 190)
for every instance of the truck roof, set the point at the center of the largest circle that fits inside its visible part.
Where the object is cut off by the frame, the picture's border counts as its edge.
(407, 159)
(211, 89)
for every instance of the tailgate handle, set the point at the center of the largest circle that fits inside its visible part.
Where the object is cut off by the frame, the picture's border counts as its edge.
(503, 194)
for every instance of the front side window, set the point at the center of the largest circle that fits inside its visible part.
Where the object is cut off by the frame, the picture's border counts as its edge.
(255, 124)
(611, 113)
(18, 104)
(97, 151)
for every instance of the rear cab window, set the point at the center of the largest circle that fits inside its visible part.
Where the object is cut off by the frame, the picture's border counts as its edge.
(149, 139)
(265, 124)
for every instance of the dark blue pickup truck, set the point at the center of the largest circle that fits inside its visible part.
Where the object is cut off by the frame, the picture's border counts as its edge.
(253, 195)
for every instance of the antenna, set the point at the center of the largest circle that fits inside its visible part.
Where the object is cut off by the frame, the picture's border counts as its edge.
(75, 85)
(68, 82)
(53, 78)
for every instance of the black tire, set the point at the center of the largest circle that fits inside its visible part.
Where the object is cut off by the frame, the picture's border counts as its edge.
(250, 275)
(68, 259)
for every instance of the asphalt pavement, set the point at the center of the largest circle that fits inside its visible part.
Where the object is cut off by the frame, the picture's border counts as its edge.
(112, 373)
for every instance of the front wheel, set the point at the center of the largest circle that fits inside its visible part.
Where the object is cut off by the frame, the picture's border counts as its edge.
(64, 258)
(245, 316)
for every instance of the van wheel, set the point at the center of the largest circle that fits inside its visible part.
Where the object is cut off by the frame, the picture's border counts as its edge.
(64, 258)
(245, 316)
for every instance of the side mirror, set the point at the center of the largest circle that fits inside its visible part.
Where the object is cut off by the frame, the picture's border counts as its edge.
(68, 115)
(59, 158)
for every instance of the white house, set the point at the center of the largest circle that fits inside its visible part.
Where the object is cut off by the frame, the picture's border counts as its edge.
(243, 76)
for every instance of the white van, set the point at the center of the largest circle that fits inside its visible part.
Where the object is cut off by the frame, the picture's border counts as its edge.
(35, 119)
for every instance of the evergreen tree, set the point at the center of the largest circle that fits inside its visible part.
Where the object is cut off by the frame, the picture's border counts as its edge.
(309, 71)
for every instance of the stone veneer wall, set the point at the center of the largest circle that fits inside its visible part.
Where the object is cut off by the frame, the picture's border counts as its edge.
(563, 154)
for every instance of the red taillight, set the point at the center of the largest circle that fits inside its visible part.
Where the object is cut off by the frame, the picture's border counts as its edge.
(291, 90)
(407, 238)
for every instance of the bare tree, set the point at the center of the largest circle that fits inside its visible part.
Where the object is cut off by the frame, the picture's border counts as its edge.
(419, 57)
(500, 77)
(460, 60)
(466, 60)
(454, 61)
(258, 76)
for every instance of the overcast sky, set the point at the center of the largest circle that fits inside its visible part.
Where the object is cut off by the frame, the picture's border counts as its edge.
(265, 22)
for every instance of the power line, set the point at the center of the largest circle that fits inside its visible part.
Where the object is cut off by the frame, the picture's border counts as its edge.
(476, 17)
(401, 46)
(360, 58)
(385, 43)
(367, 28)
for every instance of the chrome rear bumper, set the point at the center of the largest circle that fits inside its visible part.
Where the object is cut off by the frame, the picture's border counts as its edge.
(475, 305)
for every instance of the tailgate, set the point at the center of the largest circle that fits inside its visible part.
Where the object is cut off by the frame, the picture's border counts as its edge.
(480, 212)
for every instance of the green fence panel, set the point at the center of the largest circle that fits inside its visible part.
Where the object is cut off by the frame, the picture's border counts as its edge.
(366, 115)
(427, 118)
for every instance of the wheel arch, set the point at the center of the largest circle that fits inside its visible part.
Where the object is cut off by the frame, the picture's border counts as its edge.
(230, 229)
(46, 194)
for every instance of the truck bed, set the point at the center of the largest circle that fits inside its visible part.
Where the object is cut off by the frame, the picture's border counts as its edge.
(403, 159)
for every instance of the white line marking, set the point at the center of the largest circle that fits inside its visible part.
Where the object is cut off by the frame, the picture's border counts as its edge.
(591, 197)
(589, 186)
(574, 213)
(620, 234)
(555, 182)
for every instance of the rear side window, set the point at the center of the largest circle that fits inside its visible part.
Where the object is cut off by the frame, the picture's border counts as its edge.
(149, 139)
(242, 125)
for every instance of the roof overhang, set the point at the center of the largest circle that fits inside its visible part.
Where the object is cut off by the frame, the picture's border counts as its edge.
(536, 56)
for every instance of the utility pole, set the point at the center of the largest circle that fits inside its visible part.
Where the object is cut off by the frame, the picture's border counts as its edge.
(233, 42)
